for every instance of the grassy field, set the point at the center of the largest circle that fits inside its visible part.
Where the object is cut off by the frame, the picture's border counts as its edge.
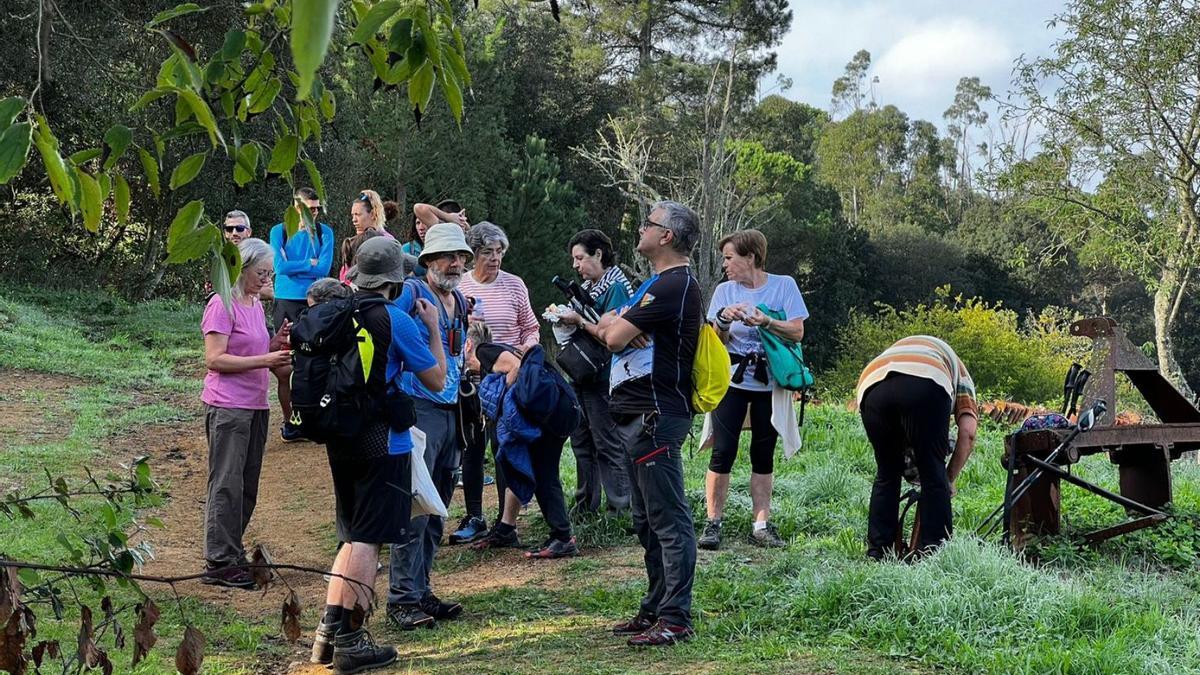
(1131, 606)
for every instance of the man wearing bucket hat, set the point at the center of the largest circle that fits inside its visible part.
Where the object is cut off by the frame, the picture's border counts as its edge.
(411, 602)
(372, 472)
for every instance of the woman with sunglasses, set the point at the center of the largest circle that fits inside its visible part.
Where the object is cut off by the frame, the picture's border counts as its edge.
(368, 212)
(300, 259)
(239, 354)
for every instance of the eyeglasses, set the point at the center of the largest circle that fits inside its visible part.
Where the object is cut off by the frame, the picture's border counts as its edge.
(236, 228)
(491, 253)
(649, 224)
(263, 275)
(315, 210)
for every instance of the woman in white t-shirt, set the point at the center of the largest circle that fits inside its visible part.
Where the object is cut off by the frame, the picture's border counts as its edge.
(734, 312)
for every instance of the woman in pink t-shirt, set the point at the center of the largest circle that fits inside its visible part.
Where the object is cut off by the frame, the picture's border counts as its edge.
(239, 354)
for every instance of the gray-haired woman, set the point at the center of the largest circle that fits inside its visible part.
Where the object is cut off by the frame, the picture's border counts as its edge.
(502, 301)
(239, 354)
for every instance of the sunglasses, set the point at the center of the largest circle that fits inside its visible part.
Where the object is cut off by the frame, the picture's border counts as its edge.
(236, 228)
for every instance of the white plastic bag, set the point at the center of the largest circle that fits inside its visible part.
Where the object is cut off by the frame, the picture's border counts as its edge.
(425, 498)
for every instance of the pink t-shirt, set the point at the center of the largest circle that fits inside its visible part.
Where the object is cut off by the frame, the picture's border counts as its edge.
(247, 331)
(505, 308)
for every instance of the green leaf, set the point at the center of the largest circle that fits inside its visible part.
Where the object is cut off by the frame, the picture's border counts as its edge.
(400, 38)
(265, 96)
(9, 109)
(56, 168)
(85, 156)
(224, 269)
(29, 578)
(105, 186)
(246, 167)
(149, 97)
(121, 199)
(400, 72)
(291, 221)
(186, 220)
(235, 42)
(90, 201)
(328, 105)
(177, 10)
(420, 87)
(118, 138)
(187, 170)
(227, 103)
(312, 26)
(453, 94)
(314, 177)
(283, 155)
(14, 149)
(369, 26)
(193, 244)
(150, 168)
(203, 115)
(458, 66)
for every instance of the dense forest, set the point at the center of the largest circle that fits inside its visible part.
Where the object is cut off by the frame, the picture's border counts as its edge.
(1075, 195)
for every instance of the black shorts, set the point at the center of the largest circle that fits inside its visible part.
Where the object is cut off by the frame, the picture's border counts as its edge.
(374, 498)
(286, 309)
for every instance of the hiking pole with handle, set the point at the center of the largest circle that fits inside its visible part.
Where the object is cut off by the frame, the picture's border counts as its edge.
(1086, 421)
(1069, 385)
(1080, 381)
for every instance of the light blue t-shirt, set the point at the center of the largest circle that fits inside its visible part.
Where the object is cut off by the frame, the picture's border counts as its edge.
(409, 383)
(780, 293)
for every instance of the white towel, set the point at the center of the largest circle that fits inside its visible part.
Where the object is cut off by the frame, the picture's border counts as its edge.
(783, 418)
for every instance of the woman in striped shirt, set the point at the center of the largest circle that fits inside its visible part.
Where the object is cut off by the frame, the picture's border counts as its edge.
(501, 300)
(907, 396)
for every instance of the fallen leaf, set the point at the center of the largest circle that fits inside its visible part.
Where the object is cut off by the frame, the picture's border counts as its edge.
(143, 633)
(261, 575)
(291, 617)
(190, 654)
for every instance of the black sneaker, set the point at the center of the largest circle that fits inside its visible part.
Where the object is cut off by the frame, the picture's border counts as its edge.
(441, 611)
(494, 539)
(408, 617)
(229, 576)
(767, 537)
(711, 539)
(290, 433)
(322, 649)
(355, 652)
(469, 529)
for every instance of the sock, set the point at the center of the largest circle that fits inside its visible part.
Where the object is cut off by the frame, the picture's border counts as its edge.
(504, 528)
(760, 525)
(333, 615)
(345, 626)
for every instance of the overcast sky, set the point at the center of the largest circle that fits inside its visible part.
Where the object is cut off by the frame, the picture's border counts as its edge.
(919, 48)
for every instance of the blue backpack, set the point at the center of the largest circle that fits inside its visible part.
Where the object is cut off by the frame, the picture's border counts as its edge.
(544, 396)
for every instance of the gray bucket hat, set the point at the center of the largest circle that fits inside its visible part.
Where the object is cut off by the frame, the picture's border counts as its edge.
(445, 238)
(380, 261)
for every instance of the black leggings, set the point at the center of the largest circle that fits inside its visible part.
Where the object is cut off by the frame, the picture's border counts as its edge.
(727, 429)
(472, 468)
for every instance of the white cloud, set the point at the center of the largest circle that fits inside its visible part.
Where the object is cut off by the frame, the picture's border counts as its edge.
(930, 58)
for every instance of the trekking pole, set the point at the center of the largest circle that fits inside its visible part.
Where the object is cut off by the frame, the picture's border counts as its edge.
(1086, 421)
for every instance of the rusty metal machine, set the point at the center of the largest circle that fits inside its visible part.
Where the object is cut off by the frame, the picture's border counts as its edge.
(1038, 461)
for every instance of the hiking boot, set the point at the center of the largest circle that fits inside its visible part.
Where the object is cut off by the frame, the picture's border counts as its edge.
(554, 548)
(767, 537)
(322, 650)
(290, 433)
(661, 634)
(441, 611)
(356, 651)
(408, 617)
(711, 539)
(635, 626)
(494, 539)
(228, 576)
(470, 529)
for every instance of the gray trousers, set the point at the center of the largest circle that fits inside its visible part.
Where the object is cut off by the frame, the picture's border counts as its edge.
(661, 515)
(236, 441)
(412, 561)
(599, 453)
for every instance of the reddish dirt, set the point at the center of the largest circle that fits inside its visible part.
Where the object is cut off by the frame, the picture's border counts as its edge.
(26, 402)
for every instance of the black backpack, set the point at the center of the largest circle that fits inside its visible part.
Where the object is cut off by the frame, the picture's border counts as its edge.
(331, 356)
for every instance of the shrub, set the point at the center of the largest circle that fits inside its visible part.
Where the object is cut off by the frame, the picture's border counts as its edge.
(1007, 360)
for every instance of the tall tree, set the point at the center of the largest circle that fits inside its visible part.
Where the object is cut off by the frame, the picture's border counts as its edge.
(850, 89)
(963, 114)
(1126, 110)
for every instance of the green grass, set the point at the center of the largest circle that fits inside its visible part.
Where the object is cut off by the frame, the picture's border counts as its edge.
(1129, 606)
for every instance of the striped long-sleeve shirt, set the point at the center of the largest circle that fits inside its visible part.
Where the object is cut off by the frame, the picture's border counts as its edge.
(929, 358)
(505, 308)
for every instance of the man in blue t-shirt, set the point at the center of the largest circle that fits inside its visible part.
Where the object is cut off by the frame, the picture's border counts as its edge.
(300, 259)
(411, 602)
(372, 473)
(654, 341)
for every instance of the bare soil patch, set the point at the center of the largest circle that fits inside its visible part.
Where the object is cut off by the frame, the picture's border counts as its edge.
(28, 401)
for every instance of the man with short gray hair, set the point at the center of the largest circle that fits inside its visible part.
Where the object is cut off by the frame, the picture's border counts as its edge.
(653, 338)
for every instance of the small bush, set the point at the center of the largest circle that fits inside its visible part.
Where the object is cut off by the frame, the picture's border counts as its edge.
(1007, 360)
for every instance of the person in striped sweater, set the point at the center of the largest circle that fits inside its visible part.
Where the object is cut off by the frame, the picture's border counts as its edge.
(907, 396)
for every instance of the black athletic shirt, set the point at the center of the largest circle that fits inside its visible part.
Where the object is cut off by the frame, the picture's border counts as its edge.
(669, 312)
